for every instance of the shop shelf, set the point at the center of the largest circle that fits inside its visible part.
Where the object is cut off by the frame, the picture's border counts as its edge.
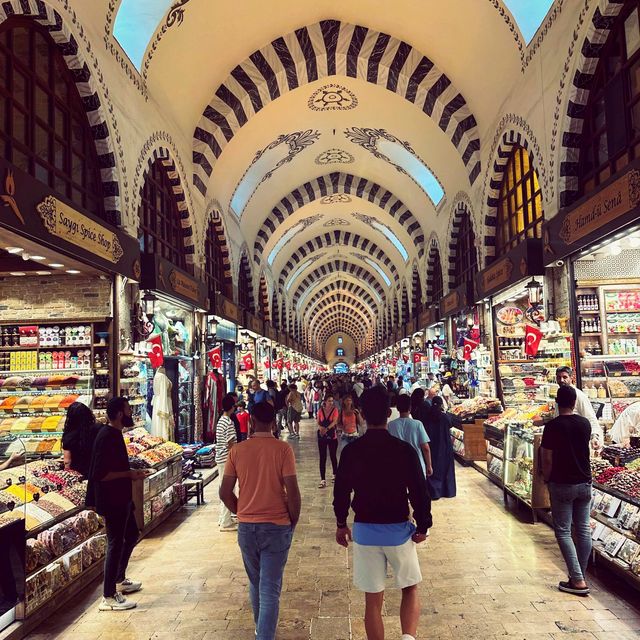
(589, 335)
(617, 494)
(594, 313)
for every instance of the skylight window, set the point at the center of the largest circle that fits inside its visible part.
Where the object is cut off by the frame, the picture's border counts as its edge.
(414, 167)
(135, 24)
(529, 14)
(286, 236)
(377, 267)
(297, 272)
(393, 238)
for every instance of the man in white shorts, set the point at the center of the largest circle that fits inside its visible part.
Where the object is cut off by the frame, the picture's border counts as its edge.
(382, 533)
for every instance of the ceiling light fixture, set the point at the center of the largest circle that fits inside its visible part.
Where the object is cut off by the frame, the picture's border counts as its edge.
(56, 265)
(17, 273)
(38, 258)
(72, 271)
(14, 250)
(43, 273)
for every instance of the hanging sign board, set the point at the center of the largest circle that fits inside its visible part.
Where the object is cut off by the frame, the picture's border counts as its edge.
(613, 206)
(161, 275)
(31, 209)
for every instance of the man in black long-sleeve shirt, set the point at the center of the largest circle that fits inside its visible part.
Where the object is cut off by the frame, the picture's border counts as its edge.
(382, 530)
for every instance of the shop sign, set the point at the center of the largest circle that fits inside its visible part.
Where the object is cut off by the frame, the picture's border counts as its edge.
(595, 216)
(161, 275)
(522, 261)
(409, 328)
(428, 317)
(456, 300)
(253, 323)
(228, 310)
(31, 209)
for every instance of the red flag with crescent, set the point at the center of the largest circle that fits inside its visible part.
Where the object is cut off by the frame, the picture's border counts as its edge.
(267, 364)
(247, 361)
(156, 355)
(215, 357)
(417, 357)
(287, 364)
(533, 336)
(469, 347)
(279, 363)
(437, 353)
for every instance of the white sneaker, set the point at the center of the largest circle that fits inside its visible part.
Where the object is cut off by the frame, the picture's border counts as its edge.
(128, 586)
(233, 527)
(117, 603)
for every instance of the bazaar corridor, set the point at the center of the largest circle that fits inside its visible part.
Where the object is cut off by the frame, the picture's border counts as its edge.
(486, 575)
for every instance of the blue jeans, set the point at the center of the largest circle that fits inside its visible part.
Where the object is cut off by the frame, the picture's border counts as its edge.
(265, 548)
(571, 504)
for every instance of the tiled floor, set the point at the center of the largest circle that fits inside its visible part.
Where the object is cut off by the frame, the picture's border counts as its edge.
(487, 575)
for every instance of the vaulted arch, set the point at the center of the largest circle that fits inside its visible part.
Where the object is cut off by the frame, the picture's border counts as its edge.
(324, 49)
(463, 252)
(245, 286)
(435, 280)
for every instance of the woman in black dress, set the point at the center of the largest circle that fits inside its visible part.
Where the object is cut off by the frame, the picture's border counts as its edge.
(79, 434)
(442, 484)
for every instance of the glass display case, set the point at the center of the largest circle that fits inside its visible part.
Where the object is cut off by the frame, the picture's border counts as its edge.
(521, 466)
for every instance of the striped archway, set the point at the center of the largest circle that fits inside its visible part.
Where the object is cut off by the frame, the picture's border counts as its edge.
(332, 184)
(87, 86)
(216, 228)
(332, 48)
(435, 279)
(460, 211)
(341, 287)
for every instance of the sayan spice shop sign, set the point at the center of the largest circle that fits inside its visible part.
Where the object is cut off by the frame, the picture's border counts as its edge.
(68, 224)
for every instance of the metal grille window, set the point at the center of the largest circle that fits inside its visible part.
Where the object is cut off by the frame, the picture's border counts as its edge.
(611, 131)
(160, 226)
(44, 129)
(520, 213)
(214, 263)
(436, 283)
(466, 260)
(244, 295)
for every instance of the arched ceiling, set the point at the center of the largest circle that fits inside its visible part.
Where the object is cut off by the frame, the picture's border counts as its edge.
(332, 134)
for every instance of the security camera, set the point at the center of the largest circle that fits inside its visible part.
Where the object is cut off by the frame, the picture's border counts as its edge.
(559, 263)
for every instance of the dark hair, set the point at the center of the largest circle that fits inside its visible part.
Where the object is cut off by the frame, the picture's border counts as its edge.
(327, 396)
(270, 384)
(417, 398)
(78, 417)
(404, 403)
(115, 406)
(437, 403)
(264, 413)
(564, 369)
(375, 405)
(228, 402)
(566, 397)
(241, 404)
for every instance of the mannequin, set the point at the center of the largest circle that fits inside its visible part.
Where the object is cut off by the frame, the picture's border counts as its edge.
(161, 324)
(162, 422)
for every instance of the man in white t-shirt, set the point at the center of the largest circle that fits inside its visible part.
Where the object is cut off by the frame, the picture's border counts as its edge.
(225, 439)
(564, 377)
(627, 424)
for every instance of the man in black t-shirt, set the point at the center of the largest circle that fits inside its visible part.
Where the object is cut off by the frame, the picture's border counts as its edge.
(110, 492)
(566, 467)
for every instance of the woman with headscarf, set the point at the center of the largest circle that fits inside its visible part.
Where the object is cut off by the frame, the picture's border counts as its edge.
(419, 406)
(442, 484)
(79, 433)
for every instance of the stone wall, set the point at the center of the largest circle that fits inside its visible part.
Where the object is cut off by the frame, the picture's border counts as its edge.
(28, 298)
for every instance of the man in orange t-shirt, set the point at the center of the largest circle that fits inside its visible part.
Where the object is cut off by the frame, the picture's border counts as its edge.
(268, 511)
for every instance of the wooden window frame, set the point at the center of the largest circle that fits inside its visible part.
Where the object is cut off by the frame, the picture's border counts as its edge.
(214, 263)
(466, 260)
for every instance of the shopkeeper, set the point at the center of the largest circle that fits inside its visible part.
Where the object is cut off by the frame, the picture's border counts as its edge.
(564, 378)
(627, 424)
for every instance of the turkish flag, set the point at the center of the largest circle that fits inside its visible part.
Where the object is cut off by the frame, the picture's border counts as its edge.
(279, 363)
(156, 355)
(287, 364)
(267, 364)
(437, 353)
(247, 361)
(215, 357)
(417, 357)
(469, 347)
(532, 339)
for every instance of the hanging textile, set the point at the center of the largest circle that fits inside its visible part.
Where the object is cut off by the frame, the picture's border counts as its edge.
(162, 422)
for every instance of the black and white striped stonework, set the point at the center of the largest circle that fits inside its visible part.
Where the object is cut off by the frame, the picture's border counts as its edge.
(162, 154)
(332, 48)
(335, 267)
(459, 212)
(87, 87)
(333, 239)
(218, 227)
(509, 140)
(601, 22)
(343, 310)
(416, 289)
(338, 322)
(331, 184)
(334, 301)
(275, 312)
(246, 268)
(433, 256)
(346, 288)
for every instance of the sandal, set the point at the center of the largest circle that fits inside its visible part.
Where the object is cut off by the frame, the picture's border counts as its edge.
(567, 587)
(323, 484)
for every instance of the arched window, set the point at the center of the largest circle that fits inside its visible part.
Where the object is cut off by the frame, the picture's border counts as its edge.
(520, 212)
(44, 129)
(263, 299)
(466, 257)
(214, 262)
(611, 130)
(245, 299)
(436, 284)
(416, 294)
(160, 227)
(339, 352)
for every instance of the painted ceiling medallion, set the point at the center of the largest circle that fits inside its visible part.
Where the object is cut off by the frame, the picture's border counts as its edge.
(332, 97)
(335, 156)
(336, 198)
(336, 222)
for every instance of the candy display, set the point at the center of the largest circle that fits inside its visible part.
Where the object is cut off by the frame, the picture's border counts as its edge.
(476, 406)
(615, 453)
